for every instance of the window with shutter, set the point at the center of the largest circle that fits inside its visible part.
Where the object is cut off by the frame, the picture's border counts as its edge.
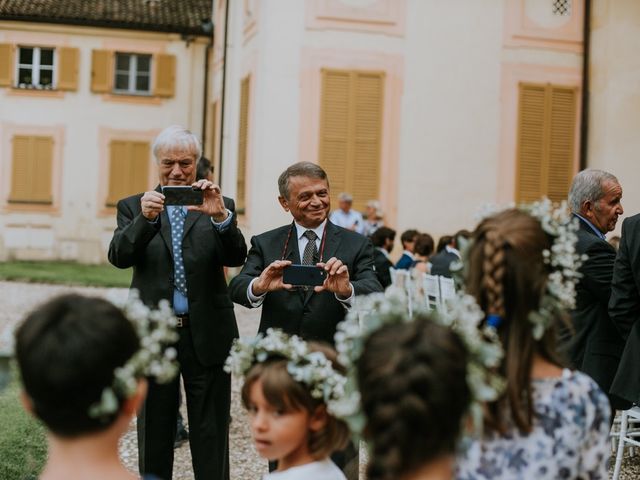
(242, 145)
(128, 169)
(31, 171)
(546, 137)
(351, 132)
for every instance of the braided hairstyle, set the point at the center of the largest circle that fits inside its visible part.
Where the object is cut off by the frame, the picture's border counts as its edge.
(412, 378)
(507, 275)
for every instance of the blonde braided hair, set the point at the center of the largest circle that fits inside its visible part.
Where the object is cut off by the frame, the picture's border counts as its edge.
(493, 271)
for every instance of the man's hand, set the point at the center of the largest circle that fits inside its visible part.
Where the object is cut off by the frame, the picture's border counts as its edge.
(337, 280)
(271, 279)
(152, 203)
(213, 204)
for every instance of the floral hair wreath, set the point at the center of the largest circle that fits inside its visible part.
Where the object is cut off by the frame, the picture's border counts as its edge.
(560, 293)
(305, 366)
(372, 312)
(156, 330)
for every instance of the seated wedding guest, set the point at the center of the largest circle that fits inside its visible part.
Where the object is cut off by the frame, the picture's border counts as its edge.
(408, 239)
(550, 422)
(382, 240)
(423, 250)
(441, 261)
(289, 388)
(83, 370)
(443, 242)
(412, 379)
(372, 217)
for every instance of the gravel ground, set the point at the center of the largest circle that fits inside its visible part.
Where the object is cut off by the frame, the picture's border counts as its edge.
(17, 299)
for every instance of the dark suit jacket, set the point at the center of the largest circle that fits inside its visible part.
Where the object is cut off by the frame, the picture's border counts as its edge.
(596, 345)
(147, 248)
(381, 265)
(624, 310)
(441, 262)
(311, 315)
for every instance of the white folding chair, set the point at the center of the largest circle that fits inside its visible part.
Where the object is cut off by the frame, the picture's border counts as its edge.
(629, 434)
(431, 291)
(447, 290)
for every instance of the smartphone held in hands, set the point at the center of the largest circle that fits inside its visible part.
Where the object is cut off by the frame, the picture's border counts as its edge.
(182, 195)
(303, 275)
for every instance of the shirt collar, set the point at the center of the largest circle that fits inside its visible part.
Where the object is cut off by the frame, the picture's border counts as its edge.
(596, 231)
(383, 250)
(409, 254)
(319, 230)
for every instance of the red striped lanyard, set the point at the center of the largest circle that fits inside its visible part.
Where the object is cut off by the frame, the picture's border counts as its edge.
(324, 236)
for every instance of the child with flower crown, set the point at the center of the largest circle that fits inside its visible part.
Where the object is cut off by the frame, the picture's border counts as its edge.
(82, 367)
(289, 389)
(549, 422)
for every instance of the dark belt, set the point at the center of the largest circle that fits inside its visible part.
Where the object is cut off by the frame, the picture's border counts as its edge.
(182, 320)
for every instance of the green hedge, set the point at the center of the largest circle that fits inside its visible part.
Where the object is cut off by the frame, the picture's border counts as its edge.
(67, 273)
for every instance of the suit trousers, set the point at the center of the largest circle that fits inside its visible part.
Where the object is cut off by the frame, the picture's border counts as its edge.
(208, 395)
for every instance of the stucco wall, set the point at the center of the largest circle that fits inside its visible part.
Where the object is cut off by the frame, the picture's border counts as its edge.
(614, 115)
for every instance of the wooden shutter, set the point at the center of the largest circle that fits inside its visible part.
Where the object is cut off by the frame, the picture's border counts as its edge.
(165, 75)
(101, 68)
(6, 64)
(561, 142)
(334, 129)
(531, 140)
(243, 131)
(68, 69)
(128, 169)
(367, 129)
(351, 132)
(31, 169)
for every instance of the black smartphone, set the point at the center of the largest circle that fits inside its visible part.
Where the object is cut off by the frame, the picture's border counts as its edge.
(303, 275)
(182, 195)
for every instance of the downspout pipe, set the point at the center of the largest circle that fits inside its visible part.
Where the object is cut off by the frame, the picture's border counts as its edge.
(223, 98)
(205, 93)
(584, 115)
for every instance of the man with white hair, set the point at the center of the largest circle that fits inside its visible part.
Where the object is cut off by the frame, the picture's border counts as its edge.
(179, 253)
(345, 216)
(596, 345)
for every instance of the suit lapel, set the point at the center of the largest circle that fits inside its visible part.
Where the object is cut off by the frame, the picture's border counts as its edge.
(165, 230)
(190, 220)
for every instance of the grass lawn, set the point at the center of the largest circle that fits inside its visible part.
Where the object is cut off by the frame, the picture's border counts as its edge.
(23, 446)
(67, 273)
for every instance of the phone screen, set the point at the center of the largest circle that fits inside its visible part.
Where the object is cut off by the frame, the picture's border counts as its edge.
(303, 275)
(182, 195)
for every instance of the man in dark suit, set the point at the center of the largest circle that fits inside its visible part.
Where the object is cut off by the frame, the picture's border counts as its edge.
(441, 261)
(178, 253)
(624, 310)
(382, 240)
(346, 257)
(408, 240)
(596, 345)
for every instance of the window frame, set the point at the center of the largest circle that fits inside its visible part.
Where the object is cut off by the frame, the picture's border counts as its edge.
(132, 74)
(36, 68)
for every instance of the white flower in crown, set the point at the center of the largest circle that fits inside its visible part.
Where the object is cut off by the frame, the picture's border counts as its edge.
(311, 368)
(372, 312)
(154, 359)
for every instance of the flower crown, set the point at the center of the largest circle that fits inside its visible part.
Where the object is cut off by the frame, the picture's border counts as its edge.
(305, 366)
(562, 257)
(372, 312)
(156, 330)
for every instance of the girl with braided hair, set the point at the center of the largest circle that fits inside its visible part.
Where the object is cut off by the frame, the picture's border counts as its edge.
(414, 394)
(549, 422)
